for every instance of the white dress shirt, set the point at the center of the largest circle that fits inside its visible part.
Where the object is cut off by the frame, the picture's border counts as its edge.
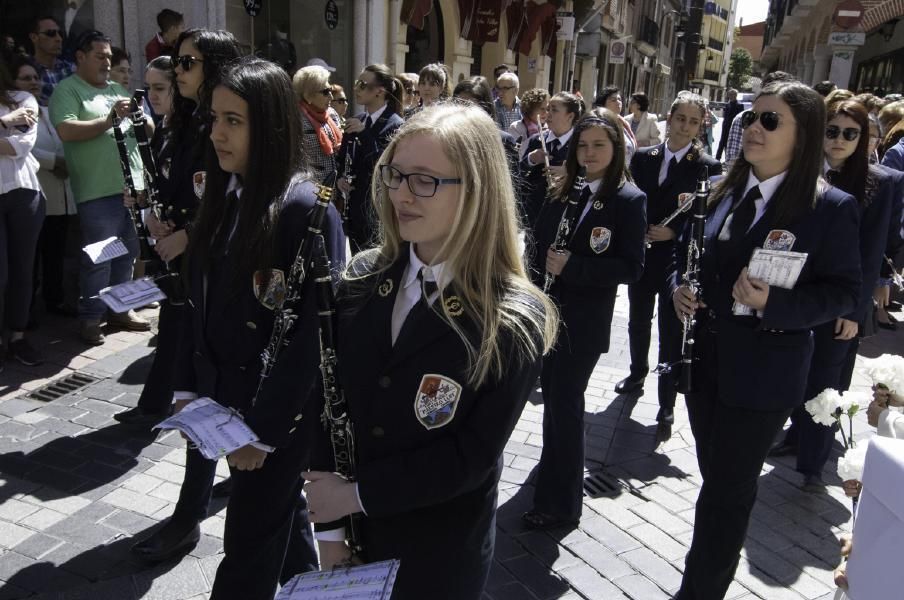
(594, 188)
(667, 158)
(410, 291)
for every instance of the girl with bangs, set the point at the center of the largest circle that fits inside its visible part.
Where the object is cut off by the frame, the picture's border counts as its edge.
(754, 342)
(445, 332)
(846, 149)
(605, 250)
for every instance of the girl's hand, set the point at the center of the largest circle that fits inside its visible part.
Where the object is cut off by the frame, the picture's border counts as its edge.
(751, 292)
(555, 261)
(330, 497)
(172, 245)
(247, 458)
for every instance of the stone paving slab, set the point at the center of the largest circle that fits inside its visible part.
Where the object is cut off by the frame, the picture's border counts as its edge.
(75, 487)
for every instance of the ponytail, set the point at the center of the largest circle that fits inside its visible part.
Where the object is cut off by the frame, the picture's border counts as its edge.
(390, 84)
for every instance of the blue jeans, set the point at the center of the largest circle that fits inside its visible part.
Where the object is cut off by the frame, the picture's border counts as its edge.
(100, 219)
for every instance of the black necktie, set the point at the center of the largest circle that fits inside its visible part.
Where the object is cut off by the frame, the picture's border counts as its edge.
(668, 171)
(831, 174)
(368, 122)
(553, 147)
(420, 308)
(742, 216)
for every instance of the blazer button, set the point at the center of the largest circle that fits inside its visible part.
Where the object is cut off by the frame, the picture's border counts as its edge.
(377, 431)
(298, 417)
(384, 382)
(198, 354)
(251, 325)
(291, 430)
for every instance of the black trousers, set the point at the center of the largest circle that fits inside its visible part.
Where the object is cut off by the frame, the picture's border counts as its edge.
(732, 443)
(560, 476)
(157, 393)
(21, 216)
(642, 298)
(52, 244)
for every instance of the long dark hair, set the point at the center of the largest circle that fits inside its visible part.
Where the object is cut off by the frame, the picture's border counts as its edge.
(616, 173)
(797, 193)
(274, 162)
(479, 88)
(853, 175)
(390, 83)
(573, 104)
(7, 87)
(219, 49)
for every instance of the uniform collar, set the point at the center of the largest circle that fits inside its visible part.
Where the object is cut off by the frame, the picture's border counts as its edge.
(679, 156)
(376, 114)
(767, 187)
(435, 272)
(563, 139)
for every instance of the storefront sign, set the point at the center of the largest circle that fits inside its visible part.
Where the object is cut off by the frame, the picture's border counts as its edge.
(488, 16)
(565, 26)
(253, 7)
(844, 38)
(331, 15)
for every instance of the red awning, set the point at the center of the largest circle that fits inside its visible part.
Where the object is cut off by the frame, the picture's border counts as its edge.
(548, 36)
(516, 19)
(415, 11)
(481, 19)
(537, 14)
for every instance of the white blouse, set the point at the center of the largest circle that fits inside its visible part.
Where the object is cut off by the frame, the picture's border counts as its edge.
(19, 170)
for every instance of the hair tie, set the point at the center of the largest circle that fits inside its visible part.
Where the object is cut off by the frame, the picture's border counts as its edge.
(590, 121)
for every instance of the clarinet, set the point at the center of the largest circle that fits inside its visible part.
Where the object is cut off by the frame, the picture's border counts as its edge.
(168, 279)
(145, 253)
(286, 313)
(549, 181)
(568, 221)
(693, 278)
(683, 207)
(335, 408)
(348, 174)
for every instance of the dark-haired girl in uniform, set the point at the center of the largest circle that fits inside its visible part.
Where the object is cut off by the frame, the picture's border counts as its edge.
(667, 173)
(846, 167)
(181, 146)
(605, 250)
(478, 90)
(366, 136)
(753, 362)
(440, 338)
(564, 111)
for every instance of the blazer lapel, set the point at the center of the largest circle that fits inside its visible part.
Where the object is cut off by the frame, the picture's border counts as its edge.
(375, 316)
(430, 326)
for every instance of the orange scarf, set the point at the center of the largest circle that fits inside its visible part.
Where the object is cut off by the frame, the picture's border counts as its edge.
(318, 118)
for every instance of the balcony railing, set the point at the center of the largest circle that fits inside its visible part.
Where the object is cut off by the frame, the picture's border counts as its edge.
(649, 32)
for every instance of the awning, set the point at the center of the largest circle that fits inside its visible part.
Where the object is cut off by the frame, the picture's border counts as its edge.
(536, 15)
(415, 11)
(481, 19)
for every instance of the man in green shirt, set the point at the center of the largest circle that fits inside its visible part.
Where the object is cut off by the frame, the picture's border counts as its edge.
(82, 108)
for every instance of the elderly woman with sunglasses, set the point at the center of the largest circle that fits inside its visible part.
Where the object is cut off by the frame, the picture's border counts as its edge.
(321, 134)
(846, 147)
(754, 341)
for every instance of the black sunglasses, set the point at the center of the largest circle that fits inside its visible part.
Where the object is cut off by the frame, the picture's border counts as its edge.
(769, 120)
(340, 100)
(51, 33)
(186, 61)
(848, 133)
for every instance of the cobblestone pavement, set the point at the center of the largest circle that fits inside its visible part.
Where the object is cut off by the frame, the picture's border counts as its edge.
(75, 486)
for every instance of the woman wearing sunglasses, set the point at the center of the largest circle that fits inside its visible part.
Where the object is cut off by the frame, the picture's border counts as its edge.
(255, 214)
(339, 103)
(366, 136)
(753, 362)
(605, 250)
(440, 338)
(846, 148)
(321, 133)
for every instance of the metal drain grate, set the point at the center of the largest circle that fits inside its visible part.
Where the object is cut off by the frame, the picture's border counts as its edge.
(598, 484)
(61, 387)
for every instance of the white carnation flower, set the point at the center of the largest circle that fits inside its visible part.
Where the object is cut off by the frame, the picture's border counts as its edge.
(824, 406)
(850, 466)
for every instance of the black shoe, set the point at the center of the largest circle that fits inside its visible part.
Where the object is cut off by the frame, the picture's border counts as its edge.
(629, 384)
(222, 489)
(139, 416)
(170, 541)
(891, 325)
(894, 306)
(782, 449)
(25, 353)
(665, 415)
(813, 484)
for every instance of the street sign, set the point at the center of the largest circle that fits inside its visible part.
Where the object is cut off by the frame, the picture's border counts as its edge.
(617, 51)
(331, 15)
(565, 26)
(848, 14)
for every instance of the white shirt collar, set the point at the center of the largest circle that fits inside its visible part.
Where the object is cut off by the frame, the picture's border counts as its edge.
(594, 185)
(767, 187)
(679, 156)
(435, 272)
(376, 114)
(563, 139)
(234, 185)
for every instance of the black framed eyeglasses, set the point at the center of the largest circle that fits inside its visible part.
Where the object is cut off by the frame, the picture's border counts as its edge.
(420, 184)
(848, 133)
(769, 120)
(52, 33)
(186, 61)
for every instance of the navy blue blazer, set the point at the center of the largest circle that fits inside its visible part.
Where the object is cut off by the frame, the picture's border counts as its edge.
(662, 200)
(533, 182)
(429, 443)
(763, 363)
(227, 328)
(607, 249)
(896, 219)
(369, 146)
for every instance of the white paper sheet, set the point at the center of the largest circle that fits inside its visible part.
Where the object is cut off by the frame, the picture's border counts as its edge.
(874, 568)
(365, 582)
(778, 268)
(213, 428)
(131, 294)
(105, 250)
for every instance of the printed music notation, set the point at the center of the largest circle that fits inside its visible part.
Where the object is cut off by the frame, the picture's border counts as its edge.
(779, 268)
(213, 428)
(365, 582)
(105, 250)
(131, 294)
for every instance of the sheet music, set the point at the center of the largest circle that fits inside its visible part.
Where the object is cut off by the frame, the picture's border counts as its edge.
(365, 582)
(213, 428)
(105, 250)
(131, 294)
(779, 268)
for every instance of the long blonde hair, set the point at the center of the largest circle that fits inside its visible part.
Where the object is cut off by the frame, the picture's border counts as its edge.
(482, 250)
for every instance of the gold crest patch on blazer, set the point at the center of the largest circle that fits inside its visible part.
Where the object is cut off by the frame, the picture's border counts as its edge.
(436, 400)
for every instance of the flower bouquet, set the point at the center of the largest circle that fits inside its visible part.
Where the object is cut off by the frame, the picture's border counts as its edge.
(828, 408)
